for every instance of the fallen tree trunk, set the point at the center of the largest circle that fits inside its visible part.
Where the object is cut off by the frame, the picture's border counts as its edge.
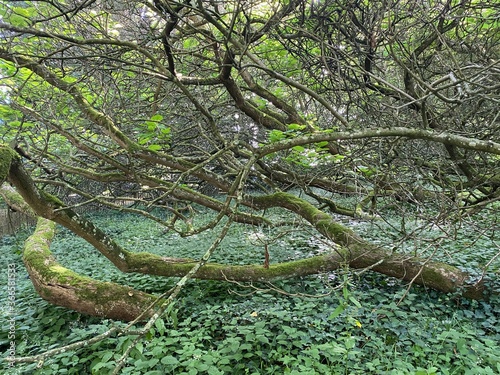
(353, 251)
(58, 284)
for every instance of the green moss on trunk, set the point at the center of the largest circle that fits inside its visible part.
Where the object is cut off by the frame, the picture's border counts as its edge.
(7, 155)
(319, 219)
(66, 288)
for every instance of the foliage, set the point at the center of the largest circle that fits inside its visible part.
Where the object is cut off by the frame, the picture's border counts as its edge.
(167, 109)
(256, 74)
(219, 328)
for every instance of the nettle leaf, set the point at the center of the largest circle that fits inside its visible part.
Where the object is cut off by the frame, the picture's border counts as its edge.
(338, 310)
(107, 356)
(298, 148)
(355, 301)
(160, 326)
(169, 360)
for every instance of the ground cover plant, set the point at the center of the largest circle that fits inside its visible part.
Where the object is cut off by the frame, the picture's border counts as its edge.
(279, 150)
(225, 328)
(163, 104)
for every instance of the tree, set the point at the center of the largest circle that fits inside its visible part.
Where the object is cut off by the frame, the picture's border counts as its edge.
(244, 106)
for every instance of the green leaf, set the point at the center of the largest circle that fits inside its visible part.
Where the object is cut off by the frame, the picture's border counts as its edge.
(143, 140)
(140, 347)
(190, 43)
(107, 356)
(156, 118)
(25, 12)
(169, 360)
(349, 342)
(338, 157)
(355, 301)
(367, 171)
(154, 147)
(160, 326)
(340, 308)
(276, 135)
(296, 127)
(151, 125)
(174, 318)
(141, 364)
(18, 20)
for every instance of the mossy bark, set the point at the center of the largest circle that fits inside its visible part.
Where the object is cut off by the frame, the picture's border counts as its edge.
(14, 200)
(66, 288)
(363, 254)
(63, 287)
(7, 156)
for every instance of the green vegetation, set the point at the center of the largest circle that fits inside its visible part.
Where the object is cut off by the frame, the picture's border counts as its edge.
(355, 142)
(355, 324)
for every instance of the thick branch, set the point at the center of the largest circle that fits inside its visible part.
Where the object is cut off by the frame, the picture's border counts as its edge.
(263, 117)
(63, 287)
(353, 250)
(442, 137)
(362, 254)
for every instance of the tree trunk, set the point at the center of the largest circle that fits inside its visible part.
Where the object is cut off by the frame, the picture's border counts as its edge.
(63, 287)
(66, 288)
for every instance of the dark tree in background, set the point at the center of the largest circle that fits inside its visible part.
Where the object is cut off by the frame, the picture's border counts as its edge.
(242, 106)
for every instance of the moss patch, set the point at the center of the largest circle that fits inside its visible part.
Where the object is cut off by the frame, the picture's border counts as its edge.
(7, 155)
(61, 286)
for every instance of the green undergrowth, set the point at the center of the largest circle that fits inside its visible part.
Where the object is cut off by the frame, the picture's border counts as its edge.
(354, 324)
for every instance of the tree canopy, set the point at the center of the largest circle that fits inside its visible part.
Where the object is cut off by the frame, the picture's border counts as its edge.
(323, 109)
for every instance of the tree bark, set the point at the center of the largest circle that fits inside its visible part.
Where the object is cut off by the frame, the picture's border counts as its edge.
(63, 287)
